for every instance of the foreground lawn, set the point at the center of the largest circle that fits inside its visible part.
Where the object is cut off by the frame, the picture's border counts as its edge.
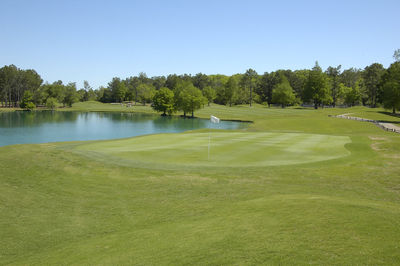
(295, 187)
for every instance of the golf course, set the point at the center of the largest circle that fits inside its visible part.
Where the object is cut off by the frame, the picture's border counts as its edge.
(295, 186)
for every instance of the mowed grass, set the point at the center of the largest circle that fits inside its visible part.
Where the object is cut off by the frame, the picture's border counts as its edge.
(115, 202)
(217, 149)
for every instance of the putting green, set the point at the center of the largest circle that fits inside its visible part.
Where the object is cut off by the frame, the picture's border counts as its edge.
(233, 149)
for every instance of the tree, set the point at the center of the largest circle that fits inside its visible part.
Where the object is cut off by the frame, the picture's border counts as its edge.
(14, 82)
(81, 95)
(51, 103)
(267, 83)
(210, 94)
(179, 101)
(201, 81)
(188, 98)
(349, 77)
(163, 101)
(316, 87)
(172, 81)
(145, 93)
(391, 87)
(283, 93)
(372, 77)
(351, 95)
(87, 93)
(118, 90)
(249, 81)
(228, 92)
(158, 82)
(396, 55)
(8, 81)
(218, 83)
(27, 101)
(192, 99)
(333, 74)
(70, 95)
(86, 85)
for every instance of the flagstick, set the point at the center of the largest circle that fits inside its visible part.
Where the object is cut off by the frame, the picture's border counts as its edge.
(213, 119)
(209, 140)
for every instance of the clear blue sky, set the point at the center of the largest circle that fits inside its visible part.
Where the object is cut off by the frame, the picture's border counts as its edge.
(97, 40)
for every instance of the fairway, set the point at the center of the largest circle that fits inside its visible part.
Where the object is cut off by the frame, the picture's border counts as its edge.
(233, 149)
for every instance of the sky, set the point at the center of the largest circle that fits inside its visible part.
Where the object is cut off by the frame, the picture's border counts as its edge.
(95, 41)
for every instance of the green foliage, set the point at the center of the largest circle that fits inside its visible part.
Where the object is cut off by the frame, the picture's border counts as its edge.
(334, 81)
(70, 95)
(218, 83)
(351, 95)
(55, 90)
(188, 98)
(201, 81)
(27, 101)
(267, 83)
(30, 106)
(396, 55)
(227, 93)
(249, 82)
(316, 87)
(391, 87)
(311, 86)
(210, 94)
(51, 103)
(118, 90)
(371, 79)
(14, 82)
(81, 95)
(350, 77)
(283, 93)
(145, 93)
(86, 93)
(163, 101)
(158, 82)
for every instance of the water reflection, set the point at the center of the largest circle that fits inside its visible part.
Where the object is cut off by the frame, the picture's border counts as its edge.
(48, 126)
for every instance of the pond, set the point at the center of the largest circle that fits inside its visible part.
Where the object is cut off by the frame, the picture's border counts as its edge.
(46, 126)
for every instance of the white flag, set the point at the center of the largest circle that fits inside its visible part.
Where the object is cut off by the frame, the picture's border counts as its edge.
(214, 119)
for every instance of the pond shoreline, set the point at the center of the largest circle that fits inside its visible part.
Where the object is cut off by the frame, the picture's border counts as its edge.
(71, 109)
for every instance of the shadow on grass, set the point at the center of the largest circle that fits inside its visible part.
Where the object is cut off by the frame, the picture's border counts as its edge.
(389, 114)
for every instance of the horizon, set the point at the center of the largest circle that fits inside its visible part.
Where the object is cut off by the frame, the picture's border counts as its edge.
(96, 41)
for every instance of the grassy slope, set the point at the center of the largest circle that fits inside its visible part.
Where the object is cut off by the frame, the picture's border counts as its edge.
(58, 206)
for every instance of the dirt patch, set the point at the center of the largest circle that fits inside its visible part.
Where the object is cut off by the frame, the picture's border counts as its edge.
(392, 156)
(375, 147)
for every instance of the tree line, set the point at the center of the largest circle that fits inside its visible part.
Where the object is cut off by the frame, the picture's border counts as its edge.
(372, 86)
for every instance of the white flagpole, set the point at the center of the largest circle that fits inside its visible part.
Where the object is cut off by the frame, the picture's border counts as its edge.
(209, 139)
(213, 119)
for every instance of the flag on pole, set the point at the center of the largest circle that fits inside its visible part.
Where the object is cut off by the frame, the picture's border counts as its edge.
(214, 119)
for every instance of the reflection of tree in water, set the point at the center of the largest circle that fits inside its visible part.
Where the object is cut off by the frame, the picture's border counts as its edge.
(134, 117)
(29, 119)
(36, 118)
(120, 117)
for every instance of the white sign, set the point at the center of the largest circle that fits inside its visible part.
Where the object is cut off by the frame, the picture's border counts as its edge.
(214, 119)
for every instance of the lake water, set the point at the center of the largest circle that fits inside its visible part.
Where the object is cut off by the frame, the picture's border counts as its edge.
(47, 126)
